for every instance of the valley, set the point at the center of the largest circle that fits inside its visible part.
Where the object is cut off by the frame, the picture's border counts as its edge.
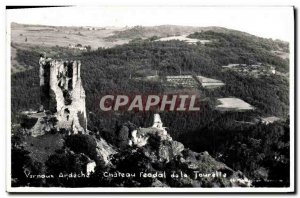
(161, 60)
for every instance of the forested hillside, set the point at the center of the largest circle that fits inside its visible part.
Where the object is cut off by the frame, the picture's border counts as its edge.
(246, 147)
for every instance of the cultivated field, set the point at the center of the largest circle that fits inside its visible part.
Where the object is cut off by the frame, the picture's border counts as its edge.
(271, 119)
(281, 54)
(184, 38)
(210, 82)
(255, 70)
(184, 81)
(228, 104)
(63, 36)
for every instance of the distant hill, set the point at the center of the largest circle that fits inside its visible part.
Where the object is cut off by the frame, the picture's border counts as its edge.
(170, 30)
(106, 37)
(146, 32)
(163, 31)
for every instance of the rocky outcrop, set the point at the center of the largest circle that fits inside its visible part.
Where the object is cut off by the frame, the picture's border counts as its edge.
(104, 151)
(157, 142)
(37, 124)
(204, 170)
(201, 169)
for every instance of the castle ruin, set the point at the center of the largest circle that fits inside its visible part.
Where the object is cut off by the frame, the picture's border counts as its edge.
(62, 93)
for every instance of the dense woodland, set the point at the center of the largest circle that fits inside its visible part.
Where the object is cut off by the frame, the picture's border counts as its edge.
(260, 151)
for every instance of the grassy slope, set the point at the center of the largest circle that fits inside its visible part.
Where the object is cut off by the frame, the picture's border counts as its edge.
(50, 36)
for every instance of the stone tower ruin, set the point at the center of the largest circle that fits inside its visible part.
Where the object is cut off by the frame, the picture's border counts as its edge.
(62, 93)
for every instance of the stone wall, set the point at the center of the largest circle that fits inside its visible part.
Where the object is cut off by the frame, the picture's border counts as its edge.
(62, 93)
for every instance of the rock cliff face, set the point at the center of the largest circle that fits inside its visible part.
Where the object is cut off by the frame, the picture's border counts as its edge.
(62, 93)
(104, 151)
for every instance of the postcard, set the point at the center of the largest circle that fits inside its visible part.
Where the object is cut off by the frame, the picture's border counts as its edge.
(150, 99)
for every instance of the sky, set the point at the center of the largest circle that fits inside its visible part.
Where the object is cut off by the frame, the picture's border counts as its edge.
(267, 22)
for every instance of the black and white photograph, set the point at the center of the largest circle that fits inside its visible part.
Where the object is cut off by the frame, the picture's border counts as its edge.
(150, 99)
